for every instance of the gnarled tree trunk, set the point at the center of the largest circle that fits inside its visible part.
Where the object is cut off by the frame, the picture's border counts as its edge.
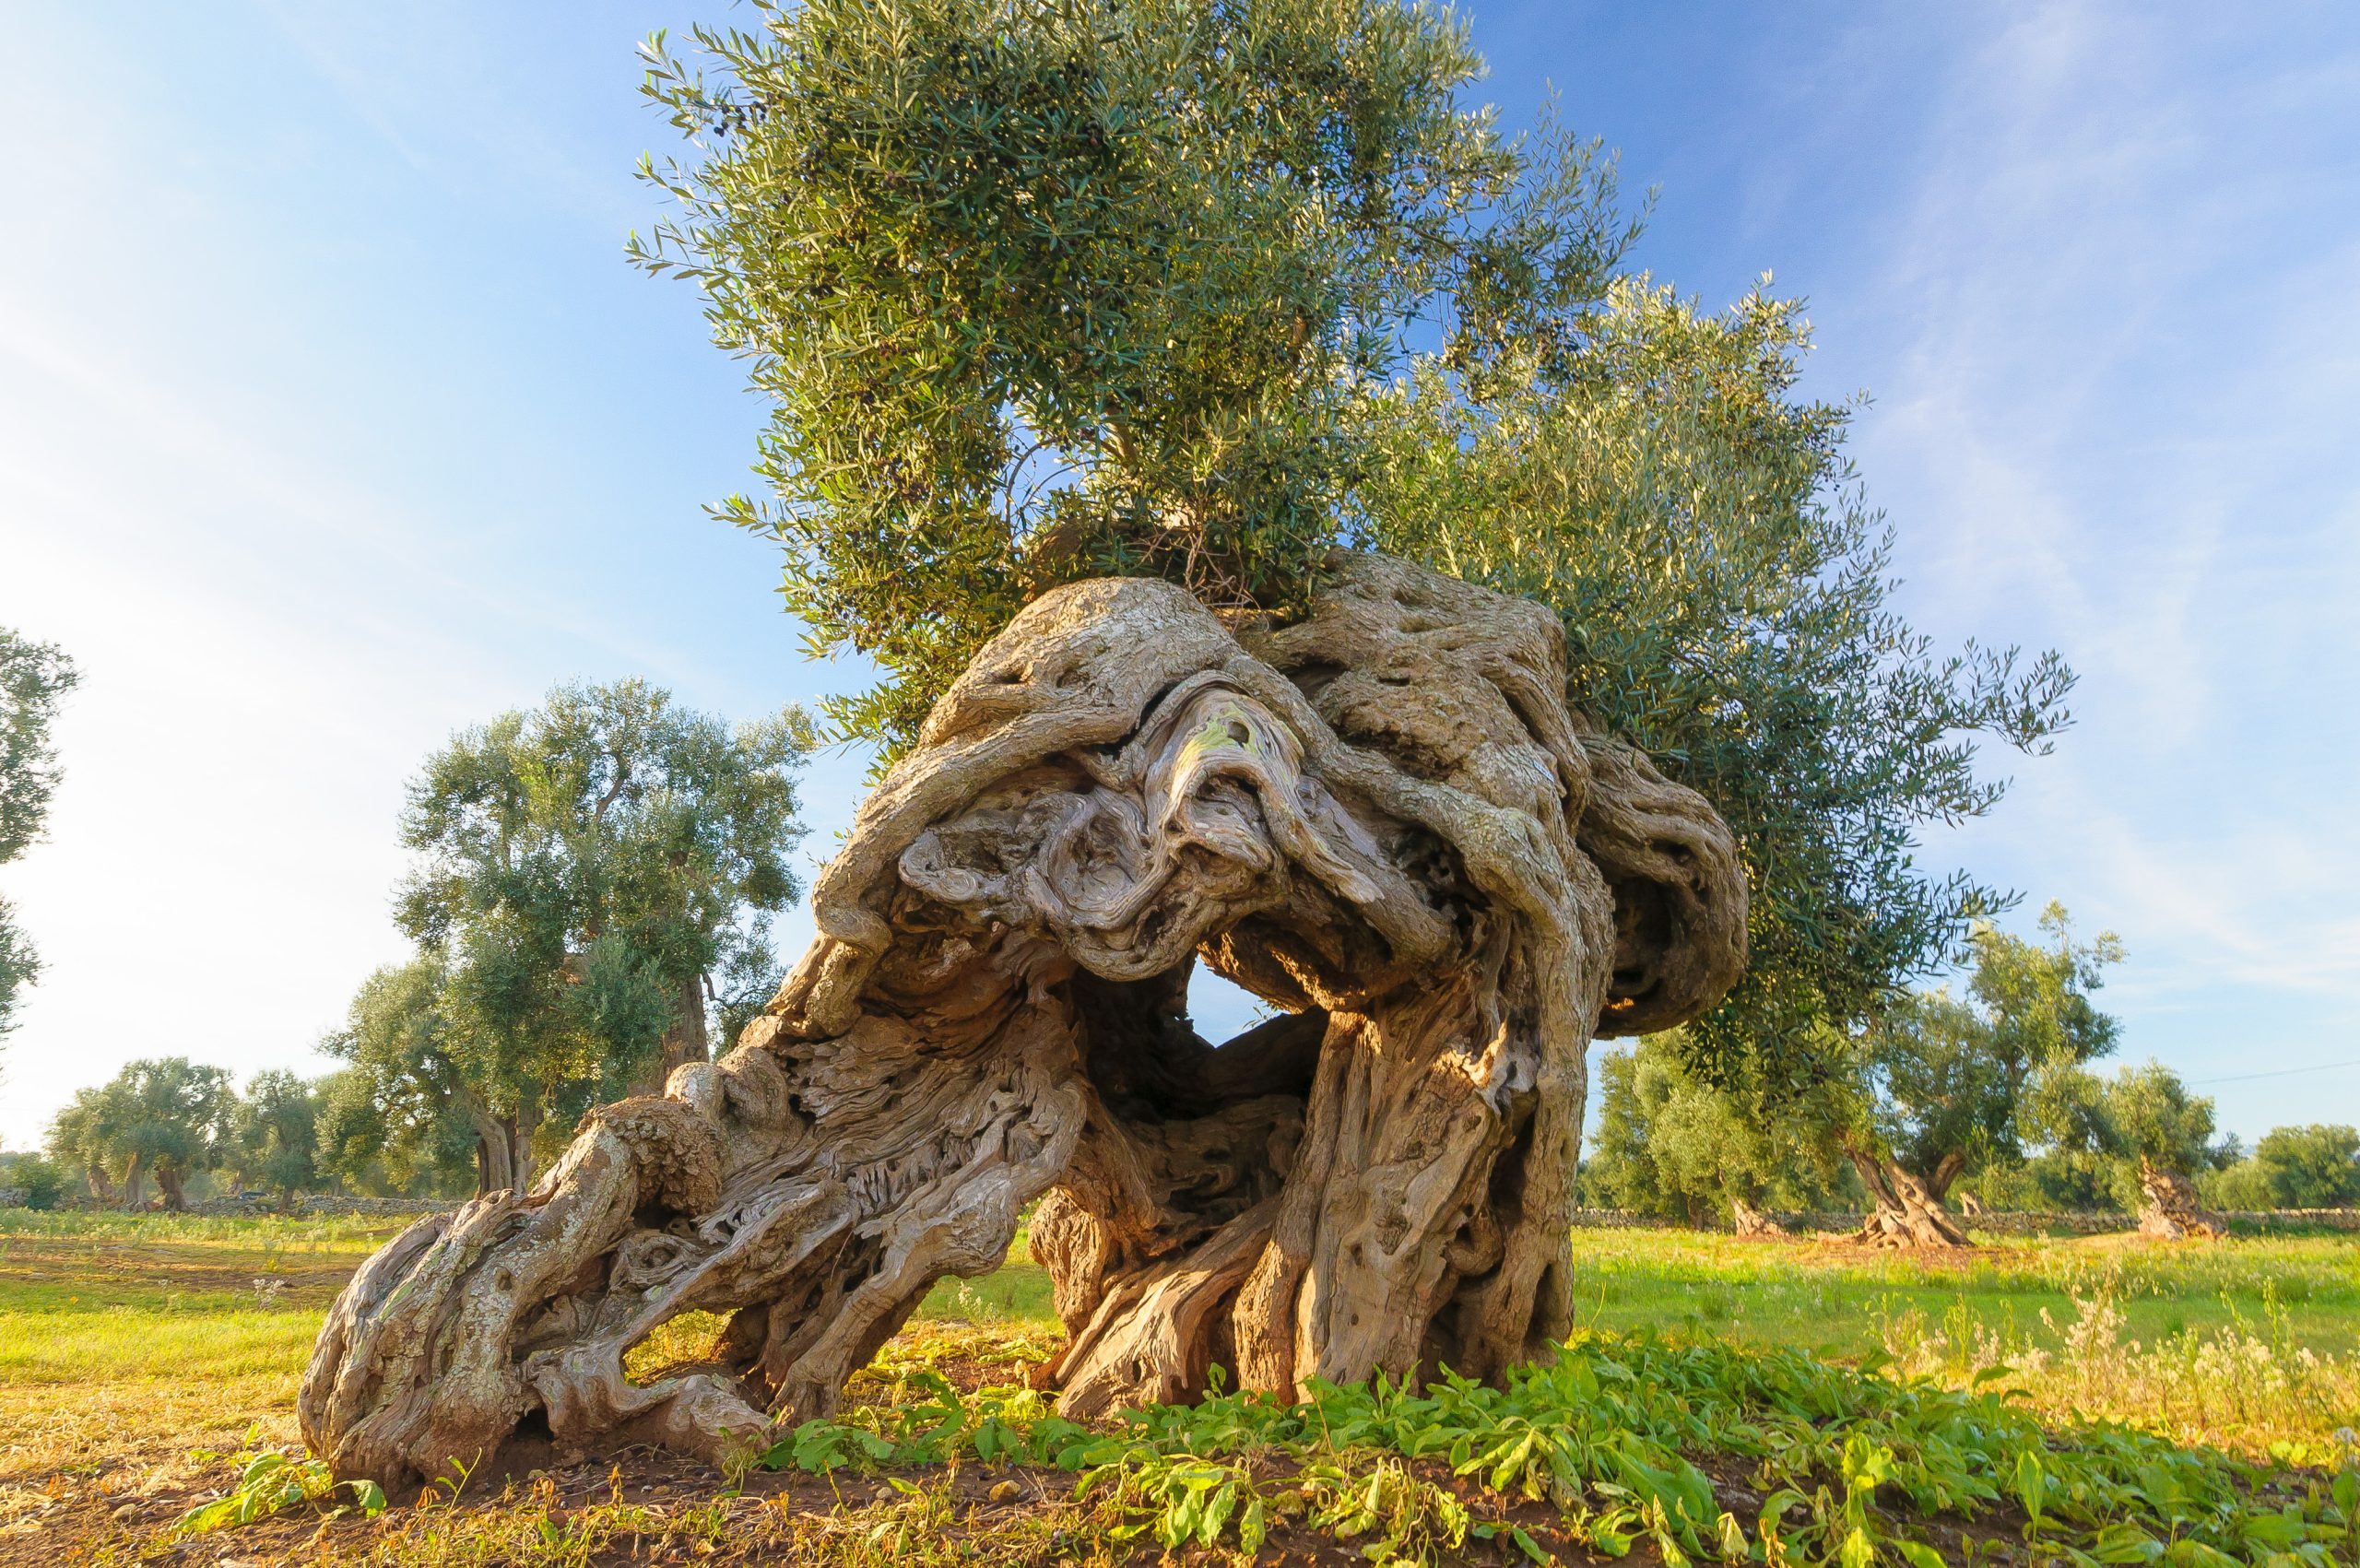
(683, 1042)
(495, 1171)
(1382, 819)
(1753, 1223)
(1904, 1212)
(2169, 1210)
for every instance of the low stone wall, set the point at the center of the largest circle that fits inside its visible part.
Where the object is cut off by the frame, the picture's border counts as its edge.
(2009, 1223)
(15, 1197)
(2298, 1219)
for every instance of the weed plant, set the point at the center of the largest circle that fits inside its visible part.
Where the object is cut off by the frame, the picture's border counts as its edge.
(2245, 1385)
(1833, 1465)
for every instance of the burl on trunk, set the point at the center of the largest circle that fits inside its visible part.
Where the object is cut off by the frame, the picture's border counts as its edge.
(1382, 819)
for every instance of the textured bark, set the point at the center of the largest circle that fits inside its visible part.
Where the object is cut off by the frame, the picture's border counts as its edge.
(521, 1128)
(684, 1042)
(1382, 819)
(1753, 1223)
(2169, 1210)
(1904, 1212)
(495, 1171)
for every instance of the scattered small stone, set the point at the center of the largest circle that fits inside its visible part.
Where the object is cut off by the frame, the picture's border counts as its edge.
(1006, 1491)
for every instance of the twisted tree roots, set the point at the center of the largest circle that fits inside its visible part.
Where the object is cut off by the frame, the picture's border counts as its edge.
(1382, 819)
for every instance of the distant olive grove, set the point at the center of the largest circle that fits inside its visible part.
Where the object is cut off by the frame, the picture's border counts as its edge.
(163, 1132)
(167, 1131)
(590, 904)
(1988, 1098)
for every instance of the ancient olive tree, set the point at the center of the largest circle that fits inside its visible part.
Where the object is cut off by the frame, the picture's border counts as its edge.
(1670, 1143)
(1380, 816)
(33, 677)
(594, 879)
(1939, 1083)
(164, 1118)
(2161, 1137)
(1087, 326)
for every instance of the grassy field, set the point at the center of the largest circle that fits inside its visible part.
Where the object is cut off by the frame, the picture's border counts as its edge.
(128, 1345)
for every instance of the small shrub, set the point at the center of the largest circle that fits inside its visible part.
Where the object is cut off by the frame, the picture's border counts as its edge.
(43, 1181)
(271, 1480)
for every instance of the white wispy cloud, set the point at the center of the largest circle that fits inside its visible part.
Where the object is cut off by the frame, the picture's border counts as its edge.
(2122, 301)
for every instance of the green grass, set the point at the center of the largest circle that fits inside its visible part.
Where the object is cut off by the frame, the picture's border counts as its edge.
(126, 1342)
(1017, 1293)
(1829, 1300)
(1809, 1462)
(121, 1300)
(124, 1297)
(359, 1234)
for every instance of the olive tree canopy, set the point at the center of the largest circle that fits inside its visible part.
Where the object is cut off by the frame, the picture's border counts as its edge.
(595, 881)
(163, 1117)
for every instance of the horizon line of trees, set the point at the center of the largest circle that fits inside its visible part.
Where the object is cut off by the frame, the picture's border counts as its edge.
(1668, 1145)
(1988, 1097)
(1946, 1104)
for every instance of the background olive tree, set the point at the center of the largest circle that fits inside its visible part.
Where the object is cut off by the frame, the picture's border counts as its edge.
(36, 1175)
(275, 1135)
(1671, 1143)
(2316, 1166)
(1937, 1085)
(165, 1119)
(593, 891)
(34, 677)
(414, 1111)
(2159, 1138)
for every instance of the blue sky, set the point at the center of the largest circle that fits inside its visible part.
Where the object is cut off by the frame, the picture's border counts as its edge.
(331, 420)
